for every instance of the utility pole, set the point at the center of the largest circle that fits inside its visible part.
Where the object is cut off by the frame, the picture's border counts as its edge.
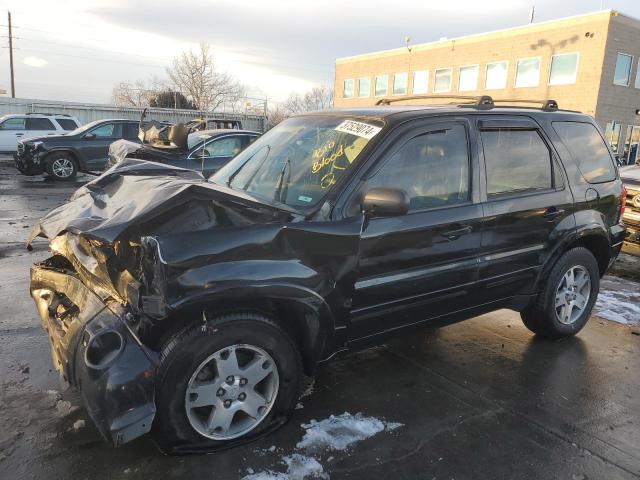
(13, 85)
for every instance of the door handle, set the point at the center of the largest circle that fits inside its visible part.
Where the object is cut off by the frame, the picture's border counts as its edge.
(454, 234)
(19, 134)
(552, 213)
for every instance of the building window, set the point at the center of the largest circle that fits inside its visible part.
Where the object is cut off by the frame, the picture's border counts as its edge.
(637, 85)
(564, 69)
(496, 75)
(528, 72)
(468, 80)
(348, 88)
(400, 83)
(364, 87)
(421, 81)
(382, 84)
(612, 134)
(442, 80)
(623, 70)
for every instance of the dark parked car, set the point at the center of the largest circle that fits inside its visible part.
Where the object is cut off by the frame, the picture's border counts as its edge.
(84, 149)
(207, 150)
(631, 178)
(193, 307)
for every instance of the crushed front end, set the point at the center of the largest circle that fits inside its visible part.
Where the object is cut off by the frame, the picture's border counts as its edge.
(96, 350)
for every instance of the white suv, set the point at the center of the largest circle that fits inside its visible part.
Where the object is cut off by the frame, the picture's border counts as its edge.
(16, 127)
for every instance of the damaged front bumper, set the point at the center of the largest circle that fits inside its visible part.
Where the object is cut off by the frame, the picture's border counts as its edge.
(95, 351)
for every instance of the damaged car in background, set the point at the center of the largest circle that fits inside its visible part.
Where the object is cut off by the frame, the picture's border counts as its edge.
(192, 308)
(206, 151)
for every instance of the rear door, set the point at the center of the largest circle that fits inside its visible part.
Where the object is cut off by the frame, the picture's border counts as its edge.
(38, 127)
(527, 205)
(423, 264)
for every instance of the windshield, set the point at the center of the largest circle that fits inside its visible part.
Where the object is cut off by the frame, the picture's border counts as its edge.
(298, 161)
(84, 128)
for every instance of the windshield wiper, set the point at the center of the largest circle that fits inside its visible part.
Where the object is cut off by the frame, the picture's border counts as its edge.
(276, 194)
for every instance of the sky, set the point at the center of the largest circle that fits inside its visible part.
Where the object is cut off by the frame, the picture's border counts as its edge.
(77, 50)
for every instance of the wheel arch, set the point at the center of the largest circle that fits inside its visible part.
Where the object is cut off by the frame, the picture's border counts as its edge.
(53, 151)
(301, 313)
(594, 238)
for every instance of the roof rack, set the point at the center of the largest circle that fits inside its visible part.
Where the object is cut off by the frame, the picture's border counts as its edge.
(479, 101)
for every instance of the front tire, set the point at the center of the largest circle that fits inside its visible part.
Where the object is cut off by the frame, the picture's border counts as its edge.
(225, 380)
(564, 306)
(62, 166)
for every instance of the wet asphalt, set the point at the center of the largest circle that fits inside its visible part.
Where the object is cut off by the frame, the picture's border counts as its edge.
(483, 399)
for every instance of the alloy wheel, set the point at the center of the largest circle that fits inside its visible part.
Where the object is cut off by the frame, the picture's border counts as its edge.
(231, 392)
(572, 294)
(62, 167)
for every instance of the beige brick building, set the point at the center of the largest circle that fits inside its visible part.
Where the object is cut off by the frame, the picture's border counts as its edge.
(587, 63)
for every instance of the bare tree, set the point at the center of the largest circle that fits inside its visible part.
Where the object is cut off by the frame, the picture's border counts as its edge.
(137, 94)
(318, 98)
(195, 75)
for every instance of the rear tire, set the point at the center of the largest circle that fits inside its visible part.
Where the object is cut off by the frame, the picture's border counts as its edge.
(62, 166)
(564, 306)
(196, 360)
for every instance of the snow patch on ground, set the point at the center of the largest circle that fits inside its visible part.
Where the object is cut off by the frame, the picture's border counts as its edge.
(338, 432)
(619, 301)
(299, 467)
(335, 433)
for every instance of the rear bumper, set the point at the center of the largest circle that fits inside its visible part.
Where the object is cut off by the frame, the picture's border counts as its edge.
(95, 351)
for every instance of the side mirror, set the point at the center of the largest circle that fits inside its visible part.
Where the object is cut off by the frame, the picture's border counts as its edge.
(89, 136)
(385, 202)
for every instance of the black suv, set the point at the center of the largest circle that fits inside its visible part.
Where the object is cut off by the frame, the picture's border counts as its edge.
(193, 307)
(85, 149)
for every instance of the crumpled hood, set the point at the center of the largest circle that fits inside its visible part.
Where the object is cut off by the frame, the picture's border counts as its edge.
(131, 193)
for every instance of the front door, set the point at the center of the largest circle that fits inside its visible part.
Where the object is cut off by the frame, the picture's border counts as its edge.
(528, 203)
(12, 130)
(95, 144)
(423, 264)
(215, 153)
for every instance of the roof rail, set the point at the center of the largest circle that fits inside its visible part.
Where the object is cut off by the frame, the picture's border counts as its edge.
(546, 105)
(49, 114)
(480, 101)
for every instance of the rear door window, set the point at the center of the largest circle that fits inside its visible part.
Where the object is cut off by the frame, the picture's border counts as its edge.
(131, 130)
(516, 161)
(67, 124)
(588, 149)
(39, 124)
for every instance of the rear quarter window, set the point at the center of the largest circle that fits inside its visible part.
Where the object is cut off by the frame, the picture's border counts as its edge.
(588, 149)
(67, 124)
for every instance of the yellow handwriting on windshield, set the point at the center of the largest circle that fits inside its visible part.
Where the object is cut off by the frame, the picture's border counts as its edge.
(322, 151)
(318, 165)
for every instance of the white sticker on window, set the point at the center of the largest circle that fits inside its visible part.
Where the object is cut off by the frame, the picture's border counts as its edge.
(302, 198)
(360, 129)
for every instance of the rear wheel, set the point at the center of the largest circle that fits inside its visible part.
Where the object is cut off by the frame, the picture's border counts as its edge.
(62, 166)
(231, 379)
(564, 306)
